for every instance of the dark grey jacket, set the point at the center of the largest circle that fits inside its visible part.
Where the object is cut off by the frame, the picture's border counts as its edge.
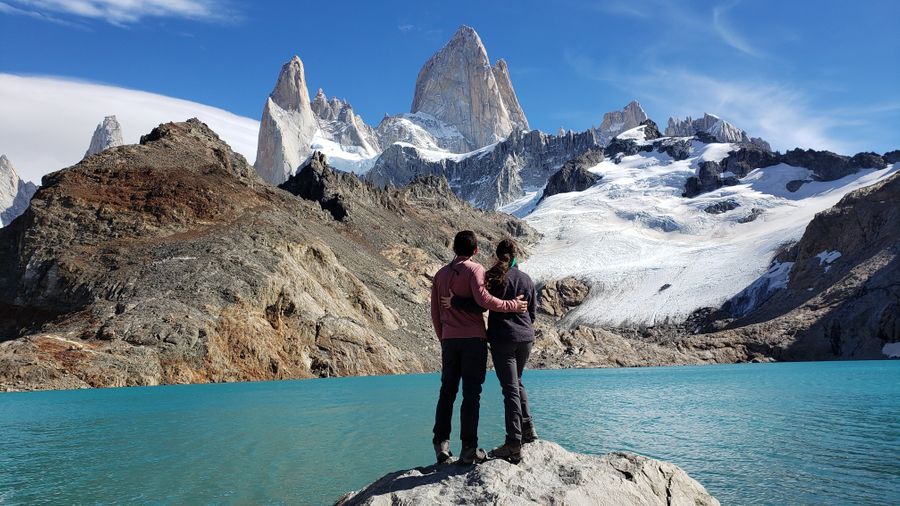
(507, 327)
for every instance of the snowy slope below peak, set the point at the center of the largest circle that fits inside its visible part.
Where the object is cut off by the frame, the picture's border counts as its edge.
(651, 255)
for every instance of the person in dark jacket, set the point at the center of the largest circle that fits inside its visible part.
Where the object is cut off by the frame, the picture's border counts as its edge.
(511, 336)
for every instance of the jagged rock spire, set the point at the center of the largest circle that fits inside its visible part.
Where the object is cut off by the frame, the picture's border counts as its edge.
(288, 125)
(459, 87)
(108, 134)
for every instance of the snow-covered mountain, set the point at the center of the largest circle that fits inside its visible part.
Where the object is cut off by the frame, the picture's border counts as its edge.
(108, 134)
(461, 103)
(15, 194)
(711, 124)
(652, 255)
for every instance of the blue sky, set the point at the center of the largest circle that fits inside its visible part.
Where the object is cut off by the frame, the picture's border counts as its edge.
(815, 74)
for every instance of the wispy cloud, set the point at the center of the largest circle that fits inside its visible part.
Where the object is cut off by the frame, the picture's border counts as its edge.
(729, 34)
(5, 8)
(672, 21)
(405, 27)
(783, 114)
(122, 12)
(623, 8)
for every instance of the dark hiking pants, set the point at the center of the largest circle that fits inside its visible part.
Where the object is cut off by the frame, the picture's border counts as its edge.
(461, 359)
(509, 361)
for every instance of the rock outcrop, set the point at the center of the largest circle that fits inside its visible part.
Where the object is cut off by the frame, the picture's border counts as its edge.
(171, 261)
(108, 134)
(339, 123)
(15, 194)
(287, 126)
(557, 297)
(459, 87)
(715, 127)
(616, 122)
(574, 175)
(548, 474)
(492, 176)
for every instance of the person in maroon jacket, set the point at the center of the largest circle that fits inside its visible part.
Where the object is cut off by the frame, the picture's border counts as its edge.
(463, 347)
(511, 336)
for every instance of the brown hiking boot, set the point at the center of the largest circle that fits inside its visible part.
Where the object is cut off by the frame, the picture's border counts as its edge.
(472, 455)
(510, 452)
(442, 451)
(529, 435)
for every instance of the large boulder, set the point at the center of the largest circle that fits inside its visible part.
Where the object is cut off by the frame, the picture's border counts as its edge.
(548, 474)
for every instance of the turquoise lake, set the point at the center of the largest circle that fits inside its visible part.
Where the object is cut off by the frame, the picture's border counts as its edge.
(789, 433)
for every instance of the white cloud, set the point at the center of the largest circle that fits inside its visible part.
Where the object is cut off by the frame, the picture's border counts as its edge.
(124, 12)
(49, 127)
(405, 27)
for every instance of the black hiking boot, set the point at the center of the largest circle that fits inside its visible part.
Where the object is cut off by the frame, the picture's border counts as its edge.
(529, 435)
(442, 451)
(510, 452)
(472, 455)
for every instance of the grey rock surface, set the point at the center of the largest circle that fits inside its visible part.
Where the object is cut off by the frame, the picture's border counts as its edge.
(287, 126)
(548, 474)
(108, 134)
(15, 194)
(459, 87)
(490, 177)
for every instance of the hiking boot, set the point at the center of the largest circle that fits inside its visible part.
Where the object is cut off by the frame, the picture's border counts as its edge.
(442, 451)
(529, 435)
(472, 455)
(510, 452)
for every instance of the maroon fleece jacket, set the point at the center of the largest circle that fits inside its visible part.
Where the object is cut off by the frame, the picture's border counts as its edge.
(466, 278)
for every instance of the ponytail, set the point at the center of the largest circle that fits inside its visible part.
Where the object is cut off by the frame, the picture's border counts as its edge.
(495, 277)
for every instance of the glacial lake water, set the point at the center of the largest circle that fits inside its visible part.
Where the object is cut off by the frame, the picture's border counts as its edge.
(791, 433)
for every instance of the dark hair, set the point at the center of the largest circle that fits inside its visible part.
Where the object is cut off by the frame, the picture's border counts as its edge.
(465, 243)
(507, 250)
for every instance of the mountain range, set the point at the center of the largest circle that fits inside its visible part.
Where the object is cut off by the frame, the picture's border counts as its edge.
(174, 260)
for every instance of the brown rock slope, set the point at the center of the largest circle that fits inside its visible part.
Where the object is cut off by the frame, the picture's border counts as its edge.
(843, 296)
(171, 262)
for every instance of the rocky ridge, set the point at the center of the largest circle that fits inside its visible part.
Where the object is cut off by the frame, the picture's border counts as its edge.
(108, 134)
(823, 166)
(715, 127)
(548, 474)
(172, 262)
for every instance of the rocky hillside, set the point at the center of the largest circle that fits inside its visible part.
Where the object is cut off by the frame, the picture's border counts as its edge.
(171, 261)
(839, 295)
